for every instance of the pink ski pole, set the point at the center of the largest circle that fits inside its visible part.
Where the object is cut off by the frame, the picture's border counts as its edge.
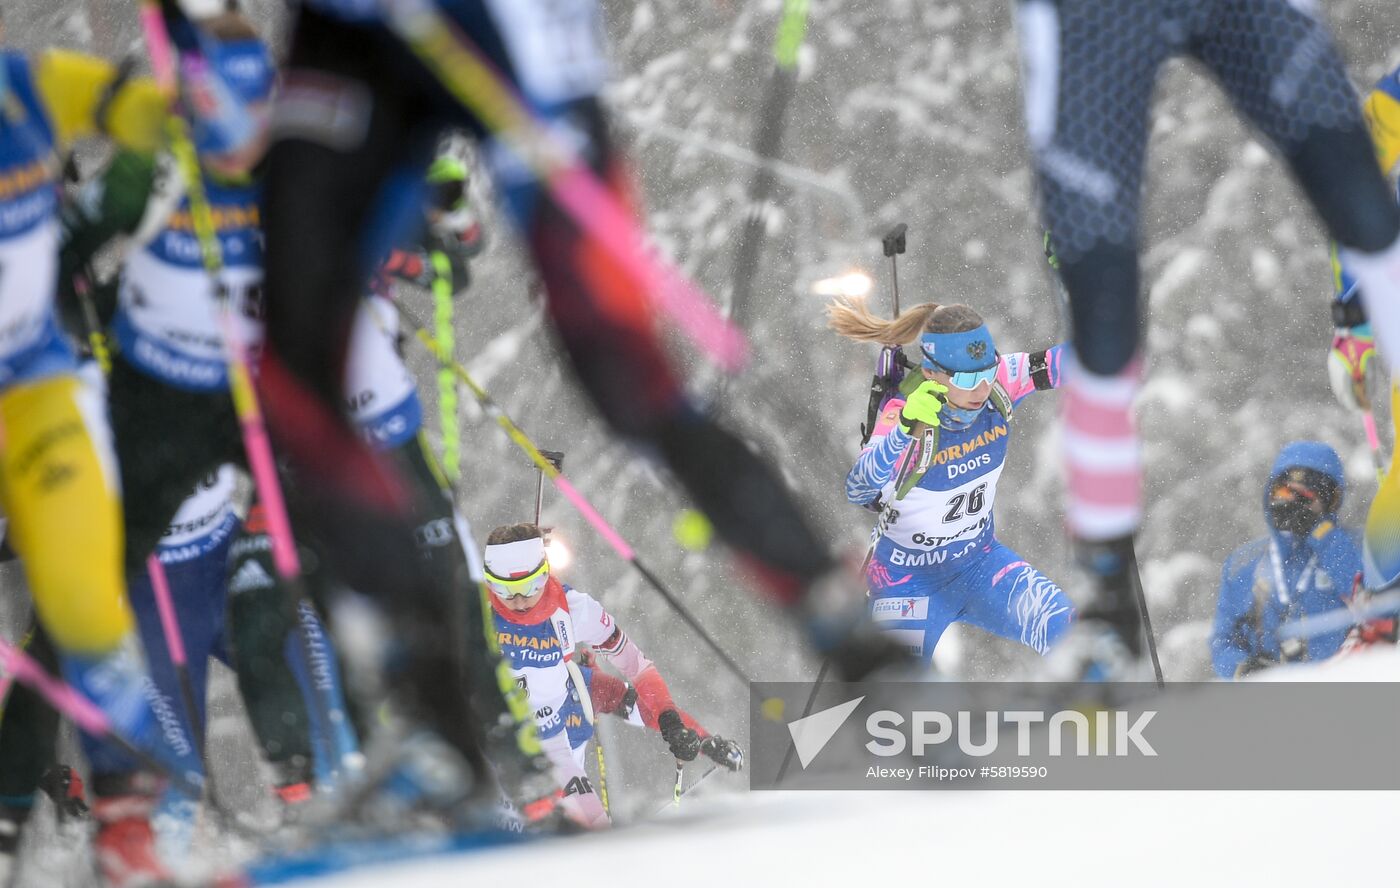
(175, 645)
(85, 714)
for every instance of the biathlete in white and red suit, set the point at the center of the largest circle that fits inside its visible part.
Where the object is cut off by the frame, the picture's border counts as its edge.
(540, 624)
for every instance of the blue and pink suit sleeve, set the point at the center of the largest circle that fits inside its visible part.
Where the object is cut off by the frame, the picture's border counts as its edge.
(1017, 372)
(880, 458)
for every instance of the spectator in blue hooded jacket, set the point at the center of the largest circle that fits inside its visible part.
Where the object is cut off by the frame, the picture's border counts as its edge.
(1306, 564)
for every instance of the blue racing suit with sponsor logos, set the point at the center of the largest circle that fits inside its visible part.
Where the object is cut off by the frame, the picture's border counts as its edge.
(936, 559)
(194, 557)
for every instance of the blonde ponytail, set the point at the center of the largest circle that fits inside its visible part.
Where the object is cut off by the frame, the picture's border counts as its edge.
(851, 317)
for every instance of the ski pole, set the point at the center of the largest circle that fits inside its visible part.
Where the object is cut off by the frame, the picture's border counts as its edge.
(7, 676)
(676, 799)
(465, 72)
(175, 646)
(572, 494)
(1385, 604)
(806, 711)
(86, 715)
(768, 137)
(680, 783)
(1149, 638)
(1353, 354)
(447, 387)
(97, 340)
(256, 444)
(893, 244)
(1368, 419)
(602, 771)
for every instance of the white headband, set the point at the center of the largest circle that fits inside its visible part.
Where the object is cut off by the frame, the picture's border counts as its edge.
(510, 560)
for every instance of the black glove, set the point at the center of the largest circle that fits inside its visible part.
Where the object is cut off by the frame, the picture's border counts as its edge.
(63, 785)
(684, 742)
(723, 752)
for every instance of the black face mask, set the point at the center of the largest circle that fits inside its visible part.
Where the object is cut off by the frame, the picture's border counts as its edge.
(1295, 517)
(1299, 499)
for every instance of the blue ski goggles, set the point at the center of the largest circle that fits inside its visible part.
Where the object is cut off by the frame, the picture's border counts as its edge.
(968, 358)
(965, 379)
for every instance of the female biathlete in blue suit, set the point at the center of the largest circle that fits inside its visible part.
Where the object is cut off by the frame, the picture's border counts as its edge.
(936, 559)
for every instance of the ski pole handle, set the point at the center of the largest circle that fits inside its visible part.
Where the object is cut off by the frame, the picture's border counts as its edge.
(893, 244)
(926, 454)
(556, 458)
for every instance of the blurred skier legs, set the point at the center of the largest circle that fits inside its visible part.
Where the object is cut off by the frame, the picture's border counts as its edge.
(1089, 70)
(338, 182)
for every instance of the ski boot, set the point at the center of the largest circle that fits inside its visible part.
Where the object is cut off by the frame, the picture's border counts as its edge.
(292, 795)
(412, 779)
(1105, 642)
(124, 849)
(841, 631)
(119, 684)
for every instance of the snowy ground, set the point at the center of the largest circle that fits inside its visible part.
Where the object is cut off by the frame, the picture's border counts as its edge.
(970, 837)
(956, 838)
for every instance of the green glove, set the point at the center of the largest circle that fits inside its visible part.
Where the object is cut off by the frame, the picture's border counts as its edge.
(923, 406)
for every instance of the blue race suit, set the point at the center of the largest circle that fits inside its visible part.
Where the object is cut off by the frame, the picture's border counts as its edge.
(936, 559)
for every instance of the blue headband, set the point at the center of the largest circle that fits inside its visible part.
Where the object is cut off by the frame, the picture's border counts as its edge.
(236, 74)
(246, 67)
(958, 352)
